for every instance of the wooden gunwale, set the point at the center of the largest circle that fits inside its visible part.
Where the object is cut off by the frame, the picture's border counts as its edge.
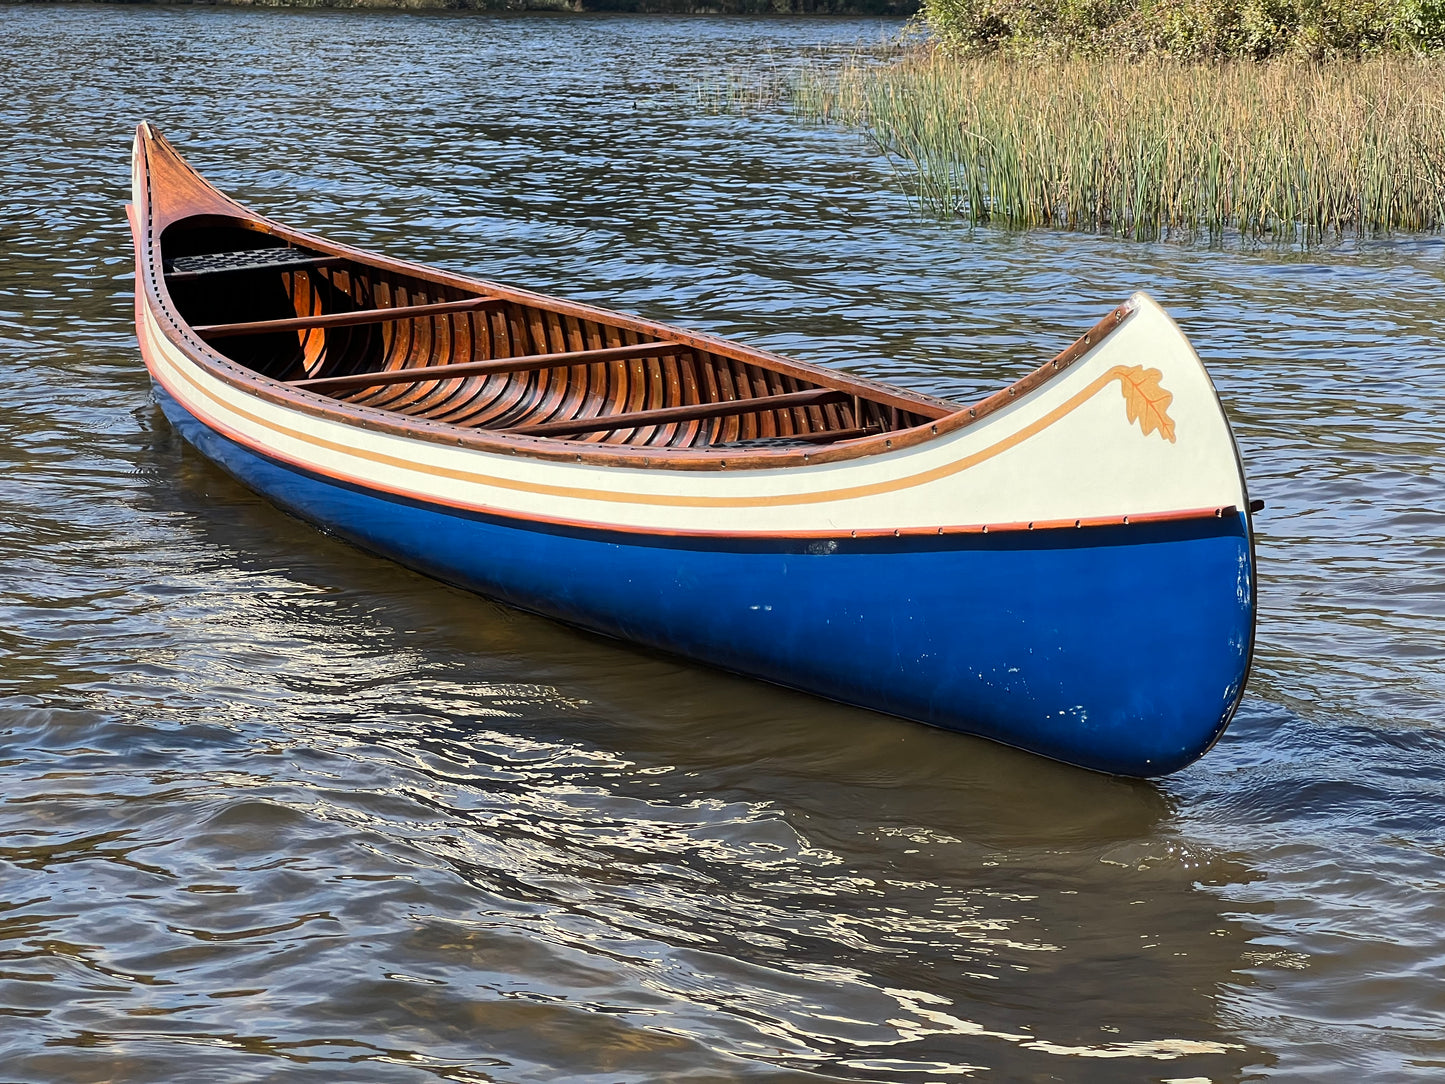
(205, 203)
(1206, 512)
(953, 530)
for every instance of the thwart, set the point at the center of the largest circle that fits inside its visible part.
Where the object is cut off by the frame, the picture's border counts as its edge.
(1065, 566)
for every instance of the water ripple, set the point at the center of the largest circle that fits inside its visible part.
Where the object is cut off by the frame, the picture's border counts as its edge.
(273, 806)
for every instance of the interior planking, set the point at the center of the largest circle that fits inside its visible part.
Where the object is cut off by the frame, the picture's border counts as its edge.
(380, 338)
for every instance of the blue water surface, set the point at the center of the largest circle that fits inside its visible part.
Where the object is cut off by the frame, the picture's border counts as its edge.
(271, 807)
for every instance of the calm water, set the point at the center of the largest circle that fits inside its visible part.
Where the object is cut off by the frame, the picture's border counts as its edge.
(271, 808)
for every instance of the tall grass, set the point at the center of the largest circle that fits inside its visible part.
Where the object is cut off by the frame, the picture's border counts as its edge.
(1153, 147)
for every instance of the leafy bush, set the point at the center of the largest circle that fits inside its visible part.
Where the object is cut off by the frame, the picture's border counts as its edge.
(1190, 29)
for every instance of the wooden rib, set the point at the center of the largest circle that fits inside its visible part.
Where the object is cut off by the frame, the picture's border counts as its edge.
(588, 395)
(315, 347)
(642, 418)
(572, 328)
(748, 426)
(671, 392)
(484, 399)
(612, 378)
(599, 337)
(784, 418)
(708, 391)
(487, 393)
(659, 387)
(617, 396)
(457, 394)
(803, 417)
(406, 342)
(481, 325)
(549, 406)
(459, 336)
(729, 426)
(469, 394)
(768, 424)
(537, 389)
(498, 398)
(582, 335)
(648, 380)
(518, 364)
(462, 398)
(530, 397)
(342, 281)
(356, 287)
(413, 343)
(344, 319)
(759, 425)
(448, 347)
(684, 435)
(633, 387)
(434, 342)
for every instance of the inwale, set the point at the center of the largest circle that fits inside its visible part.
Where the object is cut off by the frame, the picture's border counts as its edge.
(1065, 566)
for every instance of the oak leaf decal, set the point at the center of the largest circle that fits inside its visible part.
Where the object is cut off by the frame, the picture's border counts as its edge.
(1146, 402)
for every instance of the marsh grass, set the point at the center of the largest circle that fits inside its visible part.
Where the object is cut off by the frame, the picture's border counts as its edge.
(1154, 147)
(745, 90)
(770, 80)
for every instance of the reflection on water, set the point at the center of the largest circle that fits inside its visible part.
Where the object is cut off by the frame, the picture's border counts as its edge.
(271, 805)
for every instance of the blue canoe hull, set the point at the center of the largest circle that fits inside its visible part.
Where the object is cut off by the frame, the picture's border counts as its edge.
(1122, 649)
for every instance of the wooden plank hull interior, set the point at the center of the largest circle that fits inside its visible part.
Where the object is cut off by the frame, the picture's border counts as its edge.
(1066, 566)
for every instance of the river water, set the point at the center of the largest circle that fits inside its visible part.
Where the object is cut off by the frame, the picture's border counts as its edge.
(273, 808)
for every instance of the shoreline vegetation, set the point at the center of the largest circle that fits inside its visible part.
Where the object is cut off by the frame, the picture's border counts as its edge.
(1150, 147)
(1209, 31)
(1291, 120)
(893, 8)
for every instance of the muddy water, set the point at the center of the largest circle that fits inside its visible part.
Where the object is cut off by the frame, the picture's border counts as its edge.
(270, 807)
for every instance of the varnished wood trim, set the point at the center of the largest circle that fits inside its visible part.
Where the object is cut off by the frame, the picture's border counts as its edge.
(945, 531)
(611, 495)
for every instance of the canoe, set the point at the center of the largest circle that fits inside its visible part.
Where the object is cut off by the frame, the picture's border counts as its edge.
(1065, 566)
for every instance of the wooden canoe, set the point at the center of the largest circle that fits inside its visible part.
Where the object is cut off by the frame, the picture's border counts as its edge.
(1065, 566)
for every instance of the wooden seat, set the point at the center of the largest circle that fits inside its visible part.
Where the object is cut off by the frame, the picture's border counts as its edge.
(285, 258)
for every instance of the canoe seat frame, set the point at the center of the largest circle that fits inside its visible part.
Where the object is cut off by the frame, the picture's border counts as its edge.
(244, 261)
(347, 319)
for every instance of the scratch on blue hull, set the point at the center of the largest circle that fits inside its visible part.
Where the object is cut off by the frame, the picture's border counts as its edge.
(1122, 649)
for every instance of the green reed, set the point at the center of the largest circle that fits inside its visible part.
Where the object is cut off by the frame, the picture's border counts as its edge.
(744, 90)
(1153, 147)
